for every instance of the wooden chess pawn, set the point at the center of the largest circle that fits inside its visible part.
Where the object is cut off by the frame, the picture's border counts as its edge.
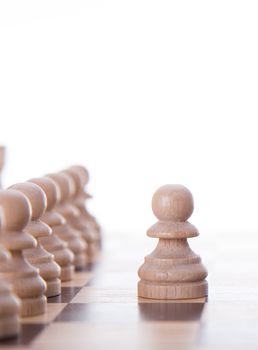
(9, 306)
(79, 222)
(172, 270)
(53, 244)
(66, 232)
(39, 257)
(25, 279)
(80, 201)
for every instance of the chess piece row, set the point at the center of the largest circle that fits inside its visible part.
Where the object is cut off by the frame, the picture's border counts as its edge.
(46, 232)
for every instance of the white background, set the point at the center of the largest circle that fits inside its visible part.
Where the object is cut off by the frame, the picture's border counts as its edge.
(143, 93)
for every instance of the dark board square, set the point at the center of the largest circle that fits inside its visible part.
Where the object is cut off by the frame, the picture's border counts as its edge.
(67, 294)
(98, 313)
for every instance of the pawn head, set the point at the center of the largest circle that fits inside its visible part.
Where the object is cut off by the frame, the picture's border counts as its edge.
(15, 210)
(71, 183)
(50, 189)
(172, 203)
(75, 179)
(63, 185)
(82, 172)
(36, 197)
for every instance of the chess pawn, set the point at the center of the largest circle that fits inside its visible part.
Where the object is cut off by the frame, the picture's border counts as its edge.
(82, 197)
(39, 257)
(79, 223)
(53, 244)
(172, 270)
(15, 214)
(9, 306)
(66, 232)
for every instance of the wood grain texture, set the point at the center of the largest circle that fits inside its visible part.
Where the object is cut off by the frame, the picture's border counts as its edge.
(39, 257)
(62, 254)
(90, 232)
(25, 279)
(109, 313)
(66, 232)
(172, 270)
(9, 305)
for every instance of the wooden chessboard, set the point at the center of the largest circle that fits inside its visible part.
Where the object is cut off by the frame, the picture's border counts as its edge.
(100, 308)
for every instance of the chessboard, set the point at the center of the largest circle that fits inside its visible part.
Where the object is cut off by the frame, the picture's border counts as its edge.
(100, 308)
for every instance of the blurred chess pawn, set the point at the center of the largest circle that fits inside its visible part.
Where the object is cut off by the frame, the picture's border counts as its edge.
(9, 306)
(2, 159)
(66, 232)
(15, 214)
(53, 244)
(79, 223)
(80, 201)
(172, 270)
(39, 257)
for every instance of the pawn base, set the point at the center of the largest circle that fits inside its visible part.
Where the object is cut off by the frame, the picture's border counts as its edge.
(53, 288)
(93, 252)
(80, 261)
(33, 306)
(67, 273)
(172, 291)
(9, 327)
